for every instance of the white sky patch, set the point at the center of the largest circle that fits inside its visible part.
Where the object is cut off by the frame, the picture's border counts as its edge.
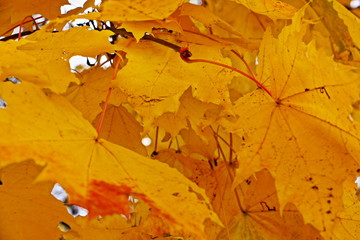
(77, 3)
(358, 181)
(80, 62)
(76, 61)
(13, 79)
(355, 3)
(3, 104)
(104, 62)
(79, 211)
(60, 194)
(146, 141)
(256, 60)
(196, 2)
(73, 4)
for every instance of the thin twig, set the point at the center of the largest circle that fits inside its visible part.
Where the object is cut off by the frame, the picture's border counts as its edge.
(245, 62)
(185, 55)
(117, 63)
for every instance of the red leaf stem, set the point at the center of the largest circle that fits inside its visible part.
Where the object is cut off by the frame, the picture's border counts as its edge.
(116, 67)
(23, 22)
(185, 55)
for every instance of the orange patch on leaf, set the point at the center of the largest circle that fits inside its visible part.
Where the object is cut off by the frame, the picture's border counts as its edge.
(107, 199)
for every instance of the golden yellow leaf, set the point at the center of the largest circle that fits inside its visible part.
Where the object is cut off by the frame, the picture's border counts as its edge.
(143, 225)
(43, 58)
(240, 85)
(339, 32)
(26, 207)
(191, 110)
(194, 18)
(126, 10)
(147, 225)
(199, 114)
(195, 144)
(81, 42)
(352, 22)
(311, 98)
(251, 24)
(139, 28)
(176, 160)
(12, 12)
(121, 127)
(210, 176)
(100, 175)
(91, 92)
(231, 158)
(52, 53)
(260, 217)
(272, 8)
(347, 222)
(109, 227)
(22, 65)
(171, 123)
(155, 77)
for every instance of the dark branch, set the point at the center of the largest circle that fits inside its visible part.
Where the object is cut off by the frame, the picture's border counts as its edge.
(122, 32)
(15, 36)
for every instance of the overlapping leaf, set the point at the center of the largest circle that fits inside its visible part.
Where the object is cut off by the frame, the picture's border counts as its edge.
(348, 221)
(99, 174)
(250, 24)
(197, 115)
(143, 226)
(260, 217)
(121, 127)
(155, 77)
(26, 207)
(251, 211)
(91, 92)
(339, 32)
(271, 8)
(286, 133)
(12, 12)
(120, 10)
(43, 58)
(110, 227)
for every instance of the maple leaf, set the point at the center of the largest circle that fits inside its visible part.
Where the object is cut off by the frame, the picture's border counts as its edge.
(25, 205)
(272, 8)
(260, 219)
(14, 11)
(336, 27)
(236, 153)
(285, 134)
(120, 127)
(156, 85)
(347, 222)
(91, 92)
(249, 23)
(127, 10)
(43, 58)
(109, 172)
(110, 227)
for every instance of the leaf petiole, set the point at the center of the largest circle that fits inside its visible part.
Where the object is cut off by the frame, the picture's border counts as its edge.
(117, 63)
(185, 55)
(23, 22)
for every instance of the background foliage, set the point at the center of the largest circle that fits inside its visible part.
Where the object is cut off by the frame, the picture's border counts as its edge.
(252, 108)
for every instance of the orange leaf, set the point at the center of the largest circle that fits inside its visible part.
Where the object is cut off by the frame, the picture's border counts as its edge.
(61, 129)
(26, 207)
